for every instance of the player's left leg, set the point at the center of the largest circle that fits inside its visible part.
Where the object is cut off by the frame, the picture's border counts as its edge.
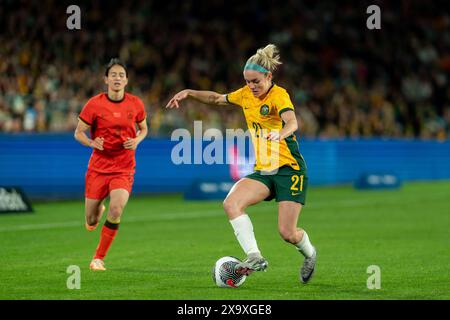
(288, 213)
(117, 203)
(120, 189)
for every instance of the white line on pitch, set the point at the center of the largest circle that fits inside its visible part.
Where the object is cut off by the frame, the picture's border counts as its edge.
(219, 212)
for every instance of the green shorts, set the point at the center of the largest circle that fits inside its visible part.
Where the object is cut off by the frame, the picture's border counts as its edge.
(287, 184)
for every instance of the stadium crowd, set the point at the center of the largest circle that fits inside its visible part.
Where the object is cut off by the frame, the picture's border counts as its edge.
(345, 80)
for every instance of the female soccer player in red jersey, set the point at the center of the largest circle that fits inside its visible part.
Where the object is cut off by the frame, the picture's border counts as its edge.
(111, 118)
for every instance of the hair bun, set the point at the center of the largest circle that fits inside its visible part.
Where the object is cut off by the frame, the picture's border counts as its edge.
(267, 57)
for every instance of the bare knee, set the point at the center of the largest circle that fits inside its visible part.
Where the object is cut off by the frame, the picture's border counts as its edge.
(115, 211)
(232, 208)
(289, 235)
(92, 216)
(92, 220)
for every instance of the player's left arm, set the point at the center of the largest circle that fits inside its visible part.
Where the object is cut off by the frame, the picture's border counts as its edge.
(132, 143)
(290, 126)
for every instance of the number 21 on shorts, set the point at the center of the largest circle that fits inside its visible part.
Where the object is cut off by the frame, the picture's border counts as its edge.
(295, 183)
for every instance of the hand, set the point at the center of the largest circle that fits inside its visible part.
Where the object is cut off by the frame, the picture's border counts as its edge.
(130, 144)
(273, 136)
(174, 102)
(97, 143)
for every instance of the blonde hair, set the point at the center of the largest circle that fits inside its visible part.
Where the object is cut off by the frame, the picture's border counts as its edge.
(267, 57)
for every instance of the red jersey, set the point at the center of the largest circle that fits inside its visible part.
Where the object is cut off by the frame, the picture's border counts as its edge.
(114, 121)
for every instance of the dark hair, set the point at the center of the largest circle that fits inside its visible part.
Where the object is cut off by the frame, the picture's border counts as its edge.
(113, 62)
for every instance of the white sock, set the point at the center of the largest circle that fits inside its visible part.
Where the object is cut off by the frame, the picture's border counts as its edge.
(305, 246)
(243, 229)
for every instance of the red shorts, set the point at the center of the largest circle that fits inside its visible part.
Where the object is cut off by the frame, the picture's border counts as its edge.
(99, 185)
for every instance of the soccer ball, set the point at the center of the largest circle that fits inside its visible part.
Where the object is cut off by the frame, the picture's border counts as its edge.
(224, 275)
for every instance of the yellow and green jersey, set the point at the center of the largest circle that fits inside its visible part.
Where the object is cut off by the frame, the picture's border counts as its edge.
(263, 116)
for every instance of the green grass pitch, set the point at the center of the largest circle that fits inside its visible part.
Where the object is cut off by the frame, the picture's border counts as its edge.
(166, 247)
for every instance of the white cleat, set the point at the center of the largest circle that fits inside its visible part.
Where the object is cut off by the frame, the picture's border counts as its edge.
(254, 262)
(97, 265)
(307, 270)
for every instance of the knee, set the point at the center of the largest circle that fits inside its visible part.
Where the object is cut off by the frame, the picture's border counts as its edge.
(115, 210)
(231, 207)
(92, 220)
(289, 235)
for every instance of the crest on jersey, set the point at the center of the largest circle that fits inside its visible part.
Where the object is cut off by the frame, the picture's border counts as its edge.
(264, 110)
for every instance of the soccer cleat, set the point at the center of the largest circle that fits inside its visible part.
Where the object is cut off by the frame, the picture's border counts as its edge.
(97, 265)
(254, 262)
(307, 270)
(91, 228)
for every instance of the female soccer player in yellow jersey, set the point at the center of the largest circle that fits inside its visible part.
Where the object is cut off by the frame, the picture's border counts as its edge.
(280, 170)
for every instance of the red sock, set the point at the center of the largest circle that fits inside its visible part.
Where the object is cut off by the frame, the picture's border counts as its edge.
(109, 231)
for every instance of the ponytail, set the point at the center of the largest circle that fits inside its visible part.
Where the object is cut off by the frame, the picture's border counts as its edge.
(265, 60)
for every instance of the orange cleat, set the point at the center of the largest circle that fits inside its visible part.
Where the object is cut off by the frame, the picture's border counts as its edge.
(97, 265)
(91, 228)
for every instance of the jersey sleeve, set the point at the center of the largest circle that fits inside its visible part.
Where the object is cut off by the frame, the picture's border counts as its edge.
(87, 114)
(141, 114)
(283, 103)
(235, 97)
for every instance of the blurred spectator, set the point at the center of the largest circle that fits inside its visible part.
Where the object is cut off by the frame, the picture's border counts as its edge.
(345, 80)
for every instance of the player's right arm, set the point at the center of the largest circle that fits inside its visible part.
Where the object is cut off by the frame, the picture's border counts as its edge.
(81, 137)
(207, 97)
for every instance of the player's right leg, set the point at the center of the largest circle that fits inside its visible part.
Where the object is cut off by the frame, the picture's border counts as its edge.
(94, 209)
(244, 193)
(96, 190)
